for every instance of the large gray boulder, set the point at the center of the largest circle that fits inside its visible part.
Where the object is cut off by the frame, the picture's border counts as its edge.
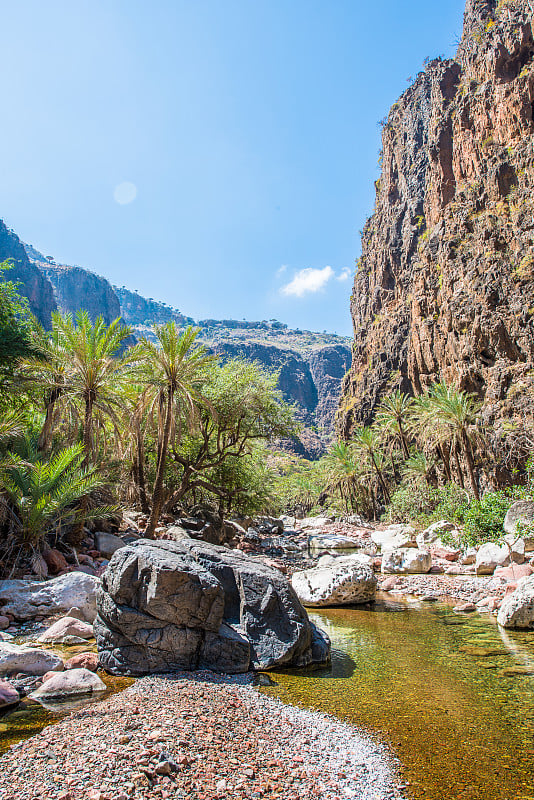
(167, 606)
(337, 582)
(29, 599)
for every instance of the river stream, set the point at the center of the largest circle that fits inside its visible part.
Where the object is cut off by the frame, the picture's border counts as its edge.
(452, 694)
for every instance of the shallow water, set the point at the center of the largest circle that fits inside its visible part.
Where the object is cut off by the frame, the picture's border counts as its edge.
(30, 717)
(452, 694)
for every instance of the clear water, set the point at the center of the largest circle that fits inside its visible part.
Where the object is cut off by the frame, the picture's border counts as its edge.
(453, 695)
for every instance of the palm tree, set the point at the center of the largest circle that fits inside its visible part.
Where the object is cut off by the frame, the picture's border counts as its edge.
(94, 370)
(418, 467)
(344, 475)
(422, 425)
(456, 417)
(393, 418)
(46, 493)
(369, 443)
(172, 369)
(49, 372)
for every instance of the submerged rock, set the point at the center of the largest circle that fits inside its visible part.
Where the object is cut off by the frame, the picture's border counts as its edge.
(28, 599)
(342, 581)
(167, 606)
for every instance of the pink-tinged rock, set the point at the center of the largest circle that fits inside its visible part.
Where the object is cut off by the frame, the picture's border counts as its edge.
(5, 622)
(514, 572)
(489, 603)
(270, 562)
(377, 563)
(446, 553)
(85, 660)
(454, 569)
(510, 587)
(55, 561)
(436, 569)
(8, 695)
(48, 675)
(66, 626)
(465, 608)
(389, 584)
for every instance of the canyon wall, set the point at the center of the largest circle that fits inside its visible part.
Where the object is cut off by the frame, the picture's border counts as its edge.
(444, 287)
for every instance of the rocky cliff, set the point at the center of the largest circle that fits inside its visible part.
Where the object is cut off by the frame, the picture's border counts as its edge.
(444, 287)
(138, 310)
(33, 284)
(76, 287)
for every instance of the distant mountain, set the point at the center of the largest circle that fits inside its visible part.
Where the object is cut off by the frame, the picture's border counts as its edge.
(311, 365)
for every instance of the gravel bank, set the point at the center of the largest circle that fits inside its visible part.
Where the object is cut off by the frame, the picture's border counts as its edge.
(197, 737)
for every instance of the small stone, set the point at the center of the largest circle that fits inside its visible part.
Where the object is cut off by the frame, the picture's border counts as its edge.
(164, 768)
(125, 738)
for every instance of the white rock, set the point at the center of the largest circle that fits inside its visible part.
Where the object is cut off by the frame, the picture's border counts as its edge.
(517, 609)
(520, 513)
(314, 522)
(516, 546)
(336, 584)
(70, 683)
(29, 599)
(490, 556)
(394, 537)
(353, 558)
(469, 557)
(432, 534)
(406, 560)
(66, 626)
(29, 660)
(326, 541)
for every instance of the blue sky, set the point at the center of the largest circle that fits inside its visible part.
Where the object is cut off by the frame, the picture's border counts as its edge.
(218, 155)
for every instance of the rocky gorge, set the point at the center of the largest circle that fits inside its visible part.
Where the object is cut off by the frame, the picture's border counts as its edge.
(444, 288)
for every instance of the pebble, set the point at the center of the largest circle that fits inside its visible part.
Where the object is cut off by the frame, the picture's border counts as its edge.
(222, 739)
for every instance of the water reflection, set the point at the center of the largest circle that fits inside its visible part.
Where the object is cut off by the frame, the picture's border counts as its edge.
(440, 688)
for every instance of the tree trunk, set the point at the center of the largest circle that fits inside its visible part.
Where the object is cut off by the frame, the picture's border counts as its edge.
(458, 467)
(404, 443)
(43, 443)
(469, 460)
(444, 456)
(387, 498)
(157, 494)
(141, 482)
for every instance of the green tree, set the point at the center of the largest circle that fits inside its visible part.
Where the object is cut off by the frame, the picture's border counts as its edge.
(16, 328)
(47, 493)
(393, 418)
(172, 369)
(368, 442)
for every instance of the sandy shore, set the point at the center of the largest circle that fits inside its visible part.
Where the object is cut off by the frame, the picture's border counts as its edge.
(197, 737)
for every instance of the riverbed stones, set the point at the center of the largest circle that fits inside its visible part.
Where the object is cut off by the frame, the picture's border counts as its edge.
(66, 627)
(72, 683)
(167, 606)
(325, 541)
(16, 658)
(395, 537)
(406, 560)
(517, 608)
(490, 556)
(26, 600)
(8, 695)
(339, 582)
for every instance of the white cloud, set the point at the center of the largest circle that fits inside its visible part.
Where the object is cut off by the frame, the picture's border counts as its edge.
(281, 270)
(311, 280)
(308, 281)
(344, 275)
